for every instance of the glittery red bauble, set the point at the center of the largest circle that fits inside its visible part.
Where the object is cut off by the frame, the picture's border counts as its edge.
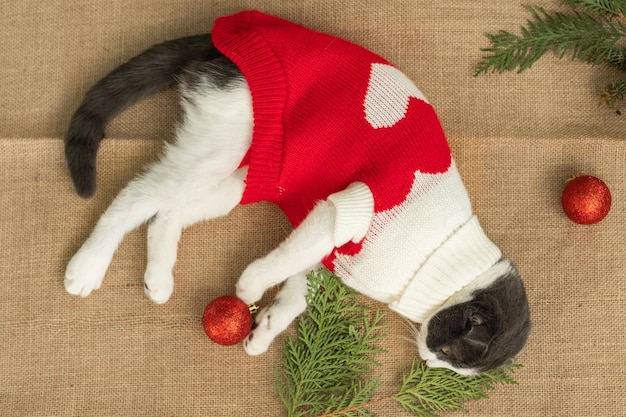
(227, 320)
(586, 200)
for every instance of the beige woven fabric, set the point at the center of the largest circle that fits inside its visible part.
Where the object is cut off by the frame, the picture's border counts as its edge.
(516, 139)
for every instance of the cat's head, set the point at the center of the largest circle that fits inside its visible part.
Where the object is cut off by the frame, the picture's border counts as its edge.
(482, 327)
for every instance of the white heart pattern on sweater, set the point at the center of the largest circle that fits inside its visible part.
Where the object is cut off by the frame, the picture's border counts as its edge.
(388, 94)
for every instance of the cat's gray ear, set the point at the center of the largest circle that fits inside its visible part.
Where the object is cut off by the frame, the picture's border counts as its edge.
(477, 319)
(479, 335)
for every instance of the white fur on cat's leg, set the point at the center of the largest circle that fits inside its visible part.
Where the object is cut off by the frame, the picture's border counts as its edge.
(165, 229)
(87, 268)
(139, 201)
(133, 206)
(307, 245)
(163, 236)
(289, 303)
(216, 201)
(211, 143)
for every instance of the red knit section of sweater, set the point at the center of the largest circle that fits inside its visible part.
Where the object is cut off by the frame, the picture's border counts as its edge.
(311, 137)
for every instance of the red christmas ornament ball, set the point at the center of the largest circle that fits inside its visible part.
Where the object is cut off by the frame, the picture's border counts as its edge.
(586, 199)
(227, 320)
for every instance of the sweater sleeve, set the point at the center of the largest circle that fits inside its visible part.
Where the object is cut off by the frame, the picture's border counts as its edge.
(354, 213)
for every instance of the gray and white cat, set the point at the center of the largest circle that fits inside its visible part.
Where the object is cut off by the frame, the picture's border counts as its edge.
(199, 177)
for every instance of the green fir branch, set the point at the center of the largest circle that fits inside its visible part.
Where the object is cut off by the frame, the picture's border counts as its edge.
(593, 32)
(612, 7)
(328, 366)
(327, 369)
(426, 391)
(613, 92)
(585, 36)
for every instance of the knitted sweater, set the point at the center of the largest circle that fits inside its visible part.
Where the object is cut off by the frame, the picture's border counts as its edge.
(335, 121)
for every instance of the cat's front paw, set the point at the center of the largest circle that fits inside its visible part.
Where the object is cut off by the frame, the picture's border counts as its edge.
(262, 336)
(248, 294)
(254, 281)
(85, 272)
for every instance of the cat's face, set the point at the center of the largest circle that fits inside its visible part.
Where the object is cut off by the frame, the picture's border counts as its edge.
(481, 328)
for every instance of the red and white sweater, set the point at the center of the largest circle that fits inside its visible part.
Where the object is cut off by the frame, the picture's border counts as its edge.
(335, 121)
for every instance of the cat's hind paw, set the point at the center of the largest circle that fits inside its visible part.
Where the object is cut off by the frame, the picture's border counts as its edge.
(84, 273)
(158, 286)
(80, 286)
(262, 336)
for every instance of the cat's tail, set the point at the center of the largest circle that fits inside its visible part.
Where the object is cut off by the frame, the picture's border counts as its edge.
(144, 75)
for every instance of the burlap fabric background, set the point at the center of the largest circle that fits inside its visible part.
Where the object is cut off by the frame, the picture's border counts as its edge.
(516, 139)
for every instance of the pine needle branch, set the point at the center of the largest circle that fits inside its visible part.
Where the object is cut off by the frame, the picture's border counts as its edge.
(428, 391)
(425, 392)
(611, 7)
(613, 92)
(585, 36)
(327, 368)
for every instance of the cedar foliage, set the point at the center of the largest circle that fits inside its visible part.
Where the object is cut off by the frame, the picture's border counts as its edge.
(592, 31)
(328, 367)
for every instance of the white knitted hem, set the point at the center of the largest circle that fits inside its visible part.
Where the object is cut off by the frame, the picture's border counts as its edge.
(465, 255)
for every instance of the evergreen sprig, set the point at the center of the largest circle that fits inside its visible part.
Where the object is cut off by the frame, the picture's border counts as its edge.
(588, 37)
(612, 7)
(613, 92)
(426, 391)
(327, 369)
(593, 32)
(328, 366)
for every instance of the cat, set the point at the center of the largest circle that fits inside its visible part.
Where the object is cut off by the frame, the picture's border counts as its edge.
(470, 301)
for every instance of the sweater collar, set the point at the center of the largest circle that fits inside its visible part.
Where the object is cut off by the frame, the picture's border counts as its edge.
(458, 261)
